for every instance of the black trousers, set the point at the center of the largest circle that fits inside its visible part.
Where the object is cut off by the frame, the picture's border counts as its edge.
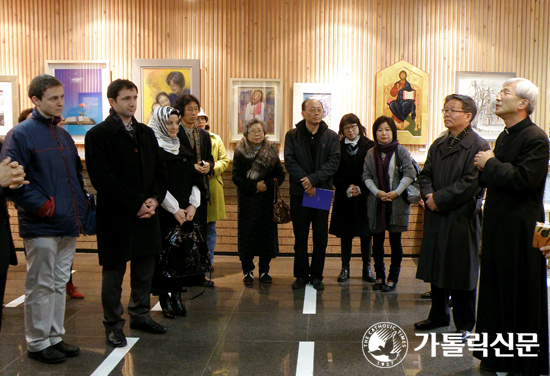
(248, 264)
(346, 243)
(464, 307)
(396, 255)
(141, 275)
(302, 217)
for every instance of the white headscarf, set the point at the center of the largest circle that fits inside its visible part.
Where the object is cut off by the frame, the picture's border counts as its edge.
(158, 124)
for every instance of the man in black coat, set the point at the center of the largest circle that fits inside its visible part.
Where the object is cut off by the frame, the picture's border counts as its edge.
(449, 255)
(129, 174)
(11, 179)
(513, 294)
(312, 156)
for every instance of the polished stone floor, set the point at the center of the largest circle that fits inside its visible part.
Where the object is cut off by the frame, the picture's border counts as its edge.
(236, 330)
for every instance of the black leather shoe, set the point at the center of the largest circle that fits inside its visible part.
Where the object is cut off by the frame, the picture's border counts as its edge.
(299, 283)
(167, 307)
(389, 286)
(464, 334)
(65, 348)
(344, 275)
(426, 295)
(265, 278)
(317, 284)
(429, 324)
(150, 326)
(368, 276)
(48, 355)
(379, 282)
(248, 278)
(208, 283)
(116, 338)
(178, 306)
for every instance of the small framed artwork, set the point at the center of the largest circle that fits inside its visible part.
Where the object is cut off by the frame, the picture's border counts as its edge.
(483, 87)
(402, 94)
(85, 86)
(160, 81)
(9, 103)
(256, 99)
(327, 94)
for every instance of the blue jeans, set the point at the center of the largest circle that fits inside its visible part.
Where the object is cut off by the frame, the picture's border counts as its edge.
(211, 239)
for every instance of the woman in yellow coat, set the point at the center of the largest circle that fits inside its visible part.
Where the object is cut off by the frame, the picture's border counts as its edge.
(216, 206)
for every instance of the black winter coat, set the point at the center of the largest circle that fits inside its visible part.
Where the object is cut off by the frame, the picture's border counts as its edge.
(513, 293)
(300, 163)
(349, 214)
(449, 255)
(125, 174)
(257, 233)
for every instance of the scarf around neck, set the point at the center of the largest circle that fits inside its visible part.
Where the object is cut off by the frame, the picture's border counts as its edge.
(382, 173)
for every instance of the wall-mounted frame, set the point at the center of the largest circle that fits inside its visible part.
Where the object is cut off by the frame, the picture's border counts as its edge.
(402, 94)
(171, 76)
(9, 103)
(85, 86)
(327, 94)
(256, 98)
(483, 87)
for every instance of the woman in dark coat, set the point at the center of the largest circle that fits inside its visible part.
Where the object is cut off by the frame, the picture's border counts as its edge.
(349, 211)
(388, 173)
(256, 168)
(182, 200)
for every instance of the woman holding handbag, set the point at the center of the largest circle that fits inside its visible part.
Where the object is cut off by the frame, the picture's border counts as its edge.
(349, 211)
(179, 207)
(256, 169)
(388, 171)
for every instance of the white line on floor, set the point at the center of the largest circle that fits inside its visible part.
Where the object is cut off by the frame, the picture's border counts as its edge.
(310, 300)
(114, 358)
(305, 359)
(16, 302)
(156, 307)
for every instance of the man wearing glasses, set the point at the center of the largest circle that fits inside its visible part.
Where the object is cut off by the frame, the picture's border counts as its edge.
(312, 156)
(512, 288)
(449, 256)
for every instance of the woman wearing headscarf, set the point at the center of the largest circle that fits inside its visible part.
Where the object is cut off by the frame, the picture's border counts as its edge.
(256, 170)
(388, 171)
(181, 202)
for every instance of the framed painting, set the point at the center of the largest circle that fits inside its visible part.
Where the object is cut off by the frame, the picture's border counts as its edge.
(483, 87)
(82, 81)
(9, 103)
(402, 94)
(256, 99)
(168, 78)
(327, 94)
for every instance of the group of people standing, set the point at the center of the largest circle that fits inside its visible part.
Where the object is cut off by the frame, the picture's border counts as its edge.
(172, 168)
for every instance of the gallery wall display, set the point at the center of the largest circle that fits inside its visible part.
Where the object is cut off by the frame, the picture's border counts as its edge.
(9, 103)
(402, 94)
(85, 86)
(483, 87)
(169, 76)
(327, 94)
(256, 99)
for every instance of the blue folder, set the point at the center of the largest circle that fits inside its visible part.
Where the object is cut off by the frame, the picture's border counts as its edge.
(321, 200)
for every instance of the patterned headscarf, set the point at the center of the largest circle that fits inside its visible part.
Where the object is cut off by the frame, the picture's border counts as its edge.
(158, 122)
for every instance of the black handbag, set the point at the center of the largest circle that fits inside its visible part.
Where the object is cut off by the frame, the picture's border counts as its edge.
(185, 252)
(412, 193)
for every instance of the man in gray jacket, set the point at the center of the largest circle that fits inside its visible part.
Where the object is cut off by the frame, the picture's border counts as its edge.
(449, 256)
(312, 155)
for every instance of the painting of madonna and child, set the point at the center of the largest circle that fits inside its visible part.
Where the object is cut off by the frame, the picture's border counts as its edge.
(401, 93)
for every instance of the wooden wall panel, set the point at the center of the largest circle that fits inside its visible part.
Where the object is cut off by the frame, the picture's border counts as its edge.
(332, 41)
